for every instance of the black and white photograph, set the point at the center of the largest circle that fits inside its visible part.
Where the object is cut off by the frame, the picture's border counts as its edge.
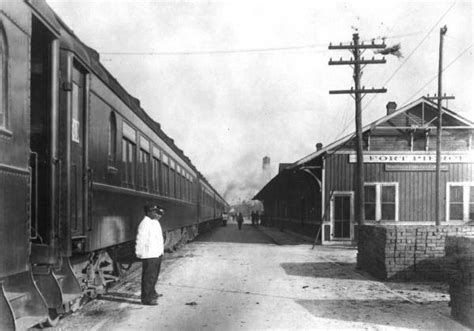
(236, 165)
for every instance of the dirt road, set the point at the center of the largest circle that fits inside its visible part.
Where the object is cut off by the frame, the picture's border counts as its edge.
(265, 279)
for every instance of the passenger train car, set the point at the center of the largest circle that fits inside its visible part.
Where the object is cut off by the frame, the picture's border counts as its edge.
(79, 158)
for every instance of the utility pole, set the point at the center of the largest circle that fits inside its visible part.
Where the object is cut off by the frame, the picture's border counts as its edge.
(439, 100)
(357, 93)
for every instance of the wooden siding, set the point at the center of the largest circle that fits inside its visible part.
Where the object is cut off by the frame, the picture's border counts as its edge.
(416, 188)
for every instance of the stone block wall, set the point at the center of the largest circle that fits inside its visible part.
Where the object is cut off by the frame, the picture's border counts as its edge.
(460, 258)
(406, 252)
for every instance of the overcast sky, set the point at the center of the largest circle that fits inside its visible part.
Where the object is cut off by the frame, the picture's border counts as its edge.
(234, 81)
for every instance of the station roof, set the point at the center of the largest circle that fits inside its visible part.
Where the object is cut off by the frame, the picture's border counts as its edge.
(450, 118)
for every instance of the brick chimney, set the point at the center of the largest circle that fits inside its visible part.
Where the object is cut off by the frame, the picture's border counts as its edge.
(319, 146)
(391, 107)
(266, 163)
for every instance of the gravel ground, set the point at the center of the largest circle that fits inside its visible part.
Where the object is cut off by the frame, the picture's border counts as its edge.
(265, 279)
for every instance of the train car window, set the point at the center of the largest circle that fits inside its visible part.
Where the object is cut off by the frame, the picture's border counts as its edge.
(128, 162)
(165, 176)
(186, 186)
(156, 175)
(129, 155)
(156, 171)
(3, 79)
(178, 182)
(172, 174)
(112, 139)
(144, 165)
(183, 185)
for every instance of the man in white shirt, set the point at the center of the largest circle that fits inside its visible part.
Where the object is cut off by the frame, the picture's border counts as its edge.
(149, 248)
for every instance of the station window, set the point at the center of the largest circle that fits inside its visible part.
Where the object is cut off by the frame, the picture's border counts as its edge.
(112, 139)
(144, 165)
(3, 79)
(128, 162)
(460, 201)
(419, 141)
(381, 201)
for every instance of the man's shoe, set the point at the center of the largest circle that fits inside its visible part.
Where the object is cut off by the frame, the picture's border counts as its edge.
(152, 302)
(156, 295)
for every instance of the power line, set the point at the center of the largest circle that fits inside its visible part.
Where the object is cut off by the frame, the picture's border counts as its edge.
(417, 92)
(309, 48)
(412, 52)
(231, 51)
(403, 63)
(436, 76)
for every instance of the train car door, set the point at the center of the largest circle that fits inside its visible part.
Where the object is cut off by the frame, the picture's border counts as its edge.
(78, 176)
(341, 215)
(43, 129)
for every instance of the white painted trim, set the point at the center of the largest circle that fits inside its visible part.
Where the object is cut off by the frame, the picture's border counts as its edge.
(465, 192)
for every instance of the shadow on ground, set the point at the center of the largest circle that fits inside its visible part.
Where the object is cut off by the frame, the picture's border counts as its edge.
(321, 270)
(379, 312)
(231, 234)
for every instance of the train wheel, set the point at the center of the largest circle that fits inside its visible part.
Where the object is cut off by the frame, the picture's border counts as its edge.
(99, 272)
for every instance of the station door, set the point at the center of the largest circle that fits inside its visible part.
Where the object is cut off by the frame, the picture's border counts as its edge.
(342, 215)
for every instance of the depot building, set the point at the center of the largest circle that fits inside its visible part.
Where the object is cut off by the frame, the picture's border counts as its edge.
(316, 194)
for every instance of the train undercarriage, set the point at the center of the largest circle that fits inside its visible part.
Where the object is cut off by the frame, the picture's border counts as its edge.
(40, 296)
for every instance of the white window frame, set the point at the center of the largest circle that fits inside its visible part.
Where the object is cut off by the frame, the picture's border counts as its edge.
(378, 199)
(465, 203)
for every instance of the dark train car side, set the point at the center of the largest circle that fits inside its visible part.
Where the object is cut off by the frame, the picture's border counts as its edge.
(15, 172)
(79, 158)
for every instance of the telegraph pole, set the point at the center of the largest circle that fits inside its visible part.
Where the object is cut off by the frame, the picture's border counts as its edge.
(439, 100)
(357, 93)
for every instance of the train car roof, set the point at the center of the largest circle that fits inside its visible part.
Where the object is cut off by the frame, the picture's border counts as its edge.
(91, 59)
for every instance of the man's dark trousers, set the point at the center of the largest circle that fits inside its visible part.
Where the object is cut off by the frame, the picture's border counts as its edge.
(150, 272)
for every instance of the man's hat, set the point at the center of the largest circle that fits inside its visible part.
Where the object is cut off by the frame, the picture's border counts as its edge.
(153, 207)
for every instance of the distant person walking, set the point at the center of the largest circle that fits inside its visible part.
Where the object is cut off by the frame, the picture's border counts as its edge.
(150, 248)
(240, 220)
